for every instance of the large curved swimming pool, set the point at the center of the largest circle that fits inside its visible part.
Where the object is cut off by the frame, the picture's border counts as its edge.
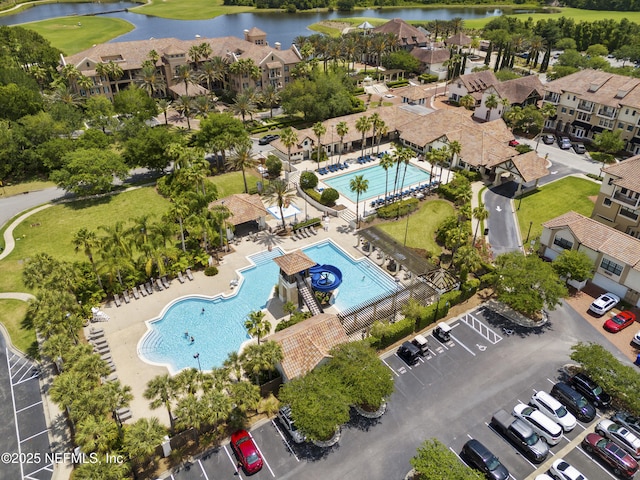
(217, 324)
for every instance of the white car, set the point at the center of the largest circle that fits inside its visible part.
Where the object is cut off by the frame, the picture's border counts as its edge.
(636, 339)
(620, 436)
(546, 428)
(284, 415)
(554, 410)
(563, 471)
(543, 476)
(604, 303)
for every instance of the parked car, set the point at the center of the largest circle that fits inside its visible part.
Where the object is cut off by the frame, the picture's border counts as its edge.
(619, 435)
(554, 410)
(521, 435)
(546, 428)
(422, 343)
(480, 457)
(620, 461)
(620, 321)
(246, 451)
(574, 401)
(583, 384)
(543, 476)
(636, 339)
(267, 139)
(629, 421)
(564, 143)
(514, 143)
(442, 332)
(604, 303)
(284, 415)
(579, 148)
(563, 471)
(548, 139)
(409, 353)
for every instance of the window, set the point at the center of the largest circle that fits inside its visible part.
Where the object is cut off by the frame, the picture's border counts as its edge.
(564, 110)
(583, 117)
(606, 202)
(610, 182)
(629, 213)
(620, 126)
(629, 128)
(563, 243)
(571, 111)
(286, 68)
(626, 112)
(611, 266)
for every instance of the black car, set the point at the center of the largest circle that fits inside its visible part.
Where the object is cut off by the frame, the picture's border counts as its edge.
(574, 401)
(590, 389)
(629, 421)
(548, 139)
(409, 353)
(480, 457)
(268, 139)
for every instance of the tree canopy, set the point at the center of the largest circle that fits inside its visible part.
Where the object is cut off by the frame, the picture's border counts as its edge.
(89, 171)
(434, 461)
(574, 264)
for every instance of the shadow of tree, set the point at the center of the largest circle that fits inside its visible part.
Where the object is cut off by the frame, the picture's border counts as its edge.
(507, 327)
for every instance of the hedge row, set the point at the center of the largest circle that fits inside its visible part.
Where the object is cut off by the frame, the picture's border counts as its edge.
(307, 223)
(427, 78)
(398, 209)
(398, 83)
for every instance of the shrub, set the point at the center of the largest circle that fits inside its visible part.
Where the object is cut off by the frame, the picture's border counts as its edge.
(311, 222)
(211, 271)
(523, 148)
(427, 78)
(308, 180)
(329, 197)
(387, 334)
(398, 209)
(398, 83)
(274, 166)
(594, 176)
(297, 317)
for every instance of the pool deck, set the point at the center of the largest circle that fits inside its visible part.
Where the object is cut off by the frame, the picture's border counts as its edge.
(127, 323)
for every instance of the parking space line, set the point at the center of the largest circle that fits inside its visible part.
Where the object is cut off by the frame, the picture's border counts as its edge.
(33, 374)
(284, 440)
(235, 464)
(27, 408)
(475, 324)
(48, 468)
(202, 468)
(463, 345)
(396, 373)
(35, 435)
(264, 459)
(15, 374)
(593, 460)
(15, 418)
(406, 364)
(552, 382)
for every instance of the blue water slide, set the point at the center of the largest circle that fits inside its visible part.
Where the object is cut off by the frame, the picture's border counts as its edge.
(325, 278)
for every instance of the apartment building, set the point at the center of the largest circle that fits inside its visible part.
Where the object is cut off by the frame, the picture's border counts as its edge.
(590, 101)
(618, 203)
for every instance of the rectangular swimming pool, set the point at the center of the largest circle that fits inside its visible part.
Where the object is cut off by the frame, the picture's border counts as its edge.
(378, 181)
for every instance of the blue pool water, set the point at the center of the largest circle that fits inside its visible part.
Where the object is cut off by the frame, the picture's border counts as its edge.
(220, 330)
(376, 176)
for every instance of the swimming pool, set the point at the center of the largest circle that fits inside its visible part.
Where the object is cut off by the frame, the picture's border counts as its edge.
(376, 176)
(217, 324)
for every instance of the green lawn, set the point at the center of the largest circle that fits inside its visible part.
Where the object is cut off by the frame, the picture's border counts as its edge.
(229, 183)
(11, 190)
(189, 9)
(74, 34)
(12, 314)
(422, 226)
(550, 201)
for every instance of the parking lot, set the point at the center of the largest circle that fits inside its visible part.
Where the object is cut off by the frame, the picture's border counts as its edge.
(450, 394)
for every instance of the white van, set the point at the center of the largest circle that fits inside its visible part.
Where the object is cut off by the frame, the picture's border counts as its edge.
(546, 428)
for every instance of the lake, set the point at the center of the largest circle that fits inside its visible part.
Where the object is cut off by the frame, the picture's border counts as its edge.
(280, 27)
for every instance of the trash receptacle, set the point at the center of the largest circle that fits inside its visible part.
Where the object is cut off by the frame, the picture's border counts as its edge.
(637, 362)
(486, 231)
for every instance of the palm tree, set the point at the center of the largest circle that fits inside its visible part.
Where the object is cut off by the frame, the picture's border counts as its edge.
(319, 129)
(184, 106)
(195, 54)
(363, 125)
(548, 110)
(95, 434)
(115, 72)
(203, 105)
(376, 121)
(289, 138)
(142, 438)
(85, 83)
(289, 308)
(359, 185)
(386, 162)
(280, 195)
(241, 159)
(243, 104)
(245, 397)
(220, 214)
(116, 248)
(151, 80)
(454, 148)
(383, 129)
(212, 72)
(341, 129)
(261, 358)
(87, 240)
(191, 413)
(185, 75)
(467, 102)
(233, 363)
(179, 210)
(270, 97)
(467, 259)
(257, 325)
(163, 106)
(491, 102)
(218, 406)
(480, 213)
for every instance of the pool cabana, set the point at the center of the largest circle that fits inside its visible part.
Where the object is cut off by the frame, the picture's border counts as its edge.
(248, 213)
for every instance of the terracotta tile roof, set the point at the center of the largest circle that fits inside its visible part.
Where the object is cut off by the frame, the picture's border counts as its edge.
(255, 31)
(412, 92)
(307, 343)
(518, 90)
(194, 89)
(477, 81)
(294, 262)
(531, 166)
(599, 87)
(599, 237)
(431, 56)
(407, 34)
(243, 207)
(628, 173)
(458, 39)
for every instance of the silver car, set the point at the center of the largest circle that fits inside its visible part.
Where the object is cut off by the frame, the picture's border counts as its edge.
(284, 415)
(620, 436)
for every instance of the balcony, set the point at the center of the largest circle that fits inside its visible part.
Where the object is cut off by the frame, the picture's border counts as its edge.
(275, 75)
(607, 112)
(625, 199)
(585, 106)
(552, 98)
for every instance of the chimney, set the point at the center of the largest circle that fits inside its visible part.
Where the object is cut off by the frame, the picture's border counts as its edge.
(246, 34)
(277, 45)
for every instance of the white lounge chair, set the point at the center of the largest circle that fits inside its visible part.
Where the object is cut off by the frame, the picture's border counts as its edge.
(143, 291)
(116, 299)
(189, 274)
(149, 288)
(136, 295)
(126, 297)
(180, 277)
(165, 282)
(159, 284)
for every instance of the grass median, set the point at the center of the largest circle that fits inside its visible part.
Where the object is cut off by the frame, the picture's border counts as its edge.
(12, 315)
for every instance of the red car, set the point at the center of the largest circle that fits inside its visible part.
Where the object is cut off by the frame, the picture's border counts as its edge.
(513, 143)
(246, 451)
(620, 461)
(620, 321)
